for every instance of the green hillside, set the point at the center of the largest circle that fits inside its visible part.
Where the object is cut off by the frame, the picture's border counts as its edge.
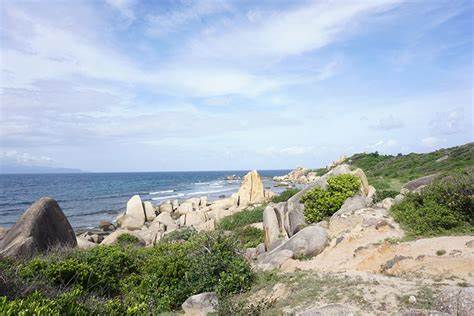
(387, 172)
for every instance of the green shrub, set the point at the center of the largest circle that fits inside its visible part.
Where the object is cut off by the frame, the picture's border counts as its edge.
(182, 234)
(243, 218)
(285, 195)
(320, 203)
(99, 269)
(444, 207)
(175, 271)
(383, 194)
(249, 237)
(127, 240)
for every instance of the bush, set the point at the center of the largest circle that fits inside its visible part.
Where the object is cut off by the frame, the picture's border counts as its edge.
(249, 237)
(442, 208)
(175, 271)
(128, 280)
(127, 240)
(285, 195)
(243, 218)
(320, 203)
(383, 194)
(98, 270)
(182, 234)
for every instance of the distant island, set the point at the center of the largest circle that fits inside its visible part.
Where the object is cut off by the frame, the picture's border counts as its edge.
(18, 169)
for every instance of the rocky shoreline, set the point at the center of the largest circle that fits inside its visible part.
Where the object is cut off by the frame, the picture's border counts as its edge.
(360, 237)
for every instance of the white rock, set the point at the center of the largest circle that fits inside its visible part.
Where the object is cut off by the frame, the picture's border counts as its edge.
(200, 304)
(149, 211)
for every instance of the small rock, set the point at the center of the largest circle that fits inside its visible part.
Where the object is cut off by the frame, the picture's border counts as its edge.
(106, 226)
(412, 299)
(200, 304)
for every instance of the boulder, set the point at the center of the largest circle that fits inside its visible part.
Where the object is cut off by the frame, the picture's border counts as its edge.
(251, 190)
(386, 203)
(130, 222)
(165, 219)
(310, 241)
(41, 227)
(185, 208)
(135, 208)
(175, 204)
(195, 218)
(106, 226)
(203, 201)
(206, 226)
(200, 304)
(271, 227)
(149, 235)
(274, 259)
(351, 204)
(223, 204)
(417, 184)
(149, 211)
(166, 207)
(364, 184)
(83, 243)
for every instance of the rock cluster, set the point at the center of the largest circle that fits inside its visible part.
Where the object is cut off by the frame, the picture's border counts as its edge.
(299, 175)
(283, 220)
(150, 223)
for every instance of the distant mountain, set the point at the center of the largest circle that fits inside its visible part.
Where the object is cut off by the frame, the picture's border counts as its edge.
(8, 169)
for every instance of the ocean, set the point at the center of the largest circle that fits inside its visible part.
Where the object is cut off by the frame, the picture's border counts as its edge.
(88, 198)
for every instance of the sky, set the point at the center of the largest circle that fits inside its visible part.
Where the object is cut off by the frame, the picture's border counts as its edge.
(130, 85)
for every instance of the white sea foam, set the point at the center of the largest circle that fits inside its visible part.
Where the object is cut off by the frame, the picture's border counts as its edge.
(161, 192)
(168, 197)
(210, 191)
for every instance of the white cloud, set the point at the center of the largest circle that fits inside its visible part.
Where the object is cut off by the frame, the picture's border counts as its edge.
(286, 151)
(451, 122)
(281, 34)
(387, 123)
(24, 159)
(382, 145)
(431, 141)
(125, 7)
(190, 11)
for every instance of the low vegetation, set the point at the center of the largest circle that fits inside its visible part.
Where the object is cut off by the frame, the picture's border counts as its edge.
(123, 279)
(444, 207)
(243, 218)
(285, 195)
(389, 173)
(320, 203)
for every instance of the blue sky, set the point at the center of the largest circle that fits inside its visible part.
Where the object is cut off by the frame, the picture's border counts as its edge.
(129, 85)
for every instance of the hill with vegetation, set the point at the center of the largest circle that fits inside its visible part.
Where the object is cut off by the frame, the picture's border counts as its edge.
(388, 172)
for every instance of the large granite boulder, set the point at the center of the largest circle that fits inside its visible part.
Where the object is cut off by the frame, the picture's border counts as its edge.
(251, 190)
(351, 204)
(310, 241)
(149, 211)
(200, 304)
(418, 184)
(113, 238)
(134, 217)
(41, 227)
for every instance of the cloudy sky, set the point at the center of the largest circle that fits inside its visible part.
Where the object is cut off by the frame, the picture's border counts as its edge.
(130, 85)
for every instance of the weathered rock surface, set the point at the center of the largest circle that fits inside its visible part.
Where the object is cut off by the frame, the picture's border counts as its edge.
(135, 208)
(457, 301)
(41, 227)
(309, 241)
(83, 243)
(418, 184)
(200, 304)
(251, 190)
(106, 226)
(166, 219)
(352, 204)
(149, 211)
(274, 260)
